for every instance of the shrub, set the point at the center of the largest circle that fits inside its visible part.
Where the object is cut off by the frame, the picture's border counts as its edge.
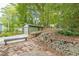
(69, 33)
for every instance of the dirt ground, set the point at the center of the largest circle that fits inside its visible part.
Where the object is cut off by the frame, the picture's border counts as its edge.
(27, 48)
(48, 43)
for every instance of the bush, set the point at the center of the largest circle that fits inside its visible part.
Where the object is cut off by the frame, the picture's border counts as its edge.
(69, 33)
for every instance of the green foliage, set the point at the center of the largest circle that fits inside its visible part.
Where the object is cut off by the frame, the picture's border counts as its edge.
(9, 34)
(64, 15)
(69, 33)
(70, 22)
(22, 12)
(9, 17)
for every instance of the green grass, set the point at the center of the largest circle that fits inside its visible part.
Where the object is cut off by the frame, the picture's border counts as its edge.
(9, 33)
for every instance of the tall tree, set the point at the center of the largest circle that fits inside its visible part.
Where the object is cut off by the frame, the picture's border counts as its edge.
(22, 11)
(9, 15)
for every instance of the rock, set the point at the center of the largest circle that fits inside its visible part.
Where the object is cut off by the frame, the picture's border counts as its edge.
(68, 48)
(11, 50)
(49, 53)
(15, 54)
(1, 53)
(24, 49)
(11, 53)
(19, 52)
(16, 48)
(3, 49)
